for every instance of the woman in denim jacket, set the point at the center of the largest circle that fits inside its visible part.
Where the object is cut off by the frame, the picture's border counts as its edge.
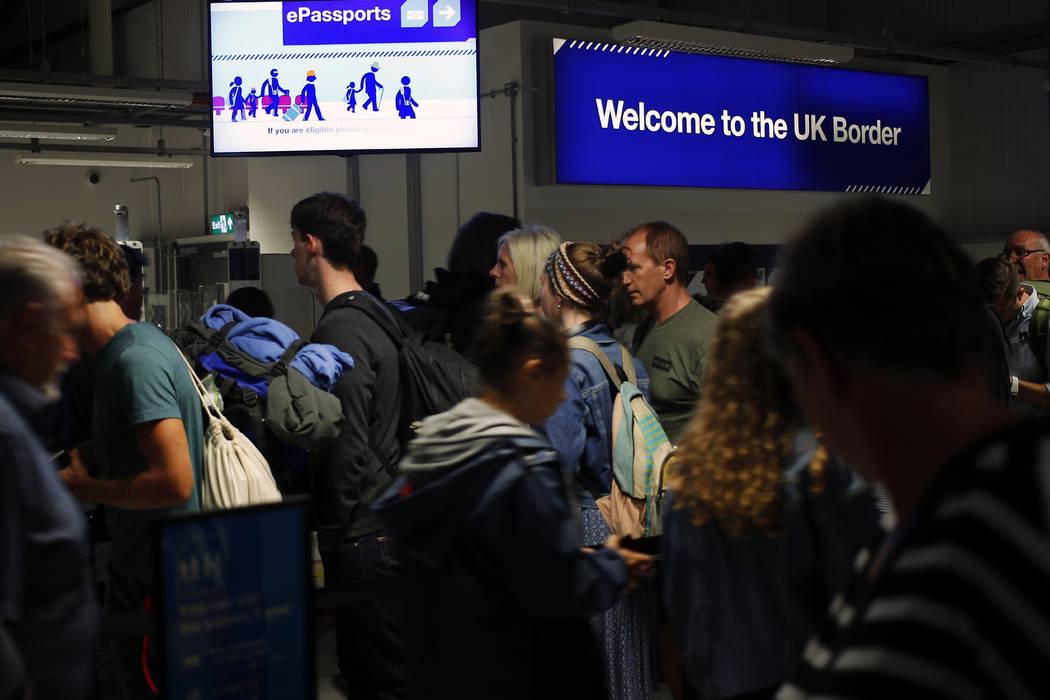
(575, 287)
(760, 527)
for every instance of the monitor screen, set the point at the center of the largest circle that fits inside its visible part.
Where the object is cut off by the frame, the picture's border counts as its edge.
(632, 116)
(343, 76)
(235, 603)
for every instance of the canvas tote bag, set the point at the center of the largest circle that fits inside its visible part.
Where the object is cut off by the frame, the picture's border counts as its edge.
(235, 472)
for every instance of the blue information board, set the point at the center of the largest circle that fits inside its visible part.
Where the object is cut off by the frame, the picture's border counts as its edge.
(235, 604)
(631, 116)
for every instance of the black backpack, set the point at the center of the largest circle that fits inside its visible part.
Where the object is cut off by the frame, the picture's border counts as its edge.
(244, 408)
(434, 377)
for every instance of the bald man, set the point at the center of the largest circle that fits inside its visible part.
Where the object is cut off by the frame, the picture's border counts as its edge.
(1029, 251)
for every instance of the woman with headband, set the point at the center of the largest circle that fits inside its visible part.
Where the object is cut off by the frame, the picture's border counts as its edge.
(575, 287)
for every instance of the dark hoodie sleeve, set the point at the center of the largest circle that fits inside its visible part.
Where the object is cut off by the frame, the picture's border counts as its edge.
(528, 523)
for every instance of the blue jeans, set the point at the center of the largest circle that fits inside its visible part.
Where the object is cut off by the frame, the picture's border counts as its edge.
(369, 635)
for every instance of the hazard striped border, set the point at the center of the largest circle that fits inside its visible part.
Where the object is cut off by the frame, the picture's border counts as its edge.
(884, 189)
(617, 48)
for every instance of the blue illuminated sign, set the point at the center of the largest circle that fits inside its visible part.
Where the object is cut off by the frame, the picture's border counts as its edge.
(235, 603)
(324, 22)
(629, 116)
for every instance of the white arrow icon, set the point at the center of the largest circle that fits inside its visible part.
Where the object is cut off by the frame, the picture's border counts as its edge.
(448, 13)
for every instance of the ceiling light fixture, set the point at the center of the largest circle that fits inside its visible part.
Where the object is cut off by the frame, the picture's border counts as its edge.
(19, 130)
(678, 37)
(104, 160)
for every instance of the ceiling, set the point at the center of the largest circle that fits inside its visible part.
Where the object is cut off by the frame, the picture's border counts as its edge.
(48, 41)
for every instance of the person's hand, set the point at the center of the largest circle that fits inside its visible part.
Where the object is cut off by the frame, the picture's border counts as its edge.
(75, 476)
(638, 565)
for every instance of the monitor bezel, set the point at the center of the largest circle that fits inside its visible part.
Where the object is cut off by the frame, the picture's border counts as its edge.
(338, 152)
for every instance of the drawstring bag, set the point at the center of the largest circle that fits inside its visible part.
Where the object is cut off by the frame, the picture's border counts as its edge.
(235, 472)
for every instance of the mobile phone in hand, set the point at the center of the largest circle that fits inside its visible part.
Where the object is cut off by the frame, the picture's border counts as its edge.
(643, 545)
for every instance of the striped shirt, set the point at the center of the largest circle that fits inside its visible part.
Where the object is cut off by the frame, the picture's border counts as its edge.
(961, 606)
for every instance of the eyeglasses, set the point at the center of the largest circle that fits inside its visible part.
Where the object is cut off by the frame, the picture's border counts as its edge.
(1020, 253)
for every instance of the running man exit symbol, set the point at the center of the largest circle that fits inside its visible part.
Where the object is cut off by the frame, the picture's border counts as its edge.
(446, 13)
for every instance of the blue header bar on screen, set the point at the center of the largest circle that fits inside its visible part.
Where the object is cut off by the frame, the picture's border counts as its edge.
(325, 22)
(629, 116)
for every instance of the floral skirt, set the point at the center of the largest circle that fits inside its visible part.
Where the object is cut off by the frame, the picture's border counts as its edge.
(628, 632)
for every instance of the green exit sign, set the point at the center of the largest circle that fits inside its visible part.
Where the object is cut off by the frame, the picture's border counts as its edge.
(222, 223)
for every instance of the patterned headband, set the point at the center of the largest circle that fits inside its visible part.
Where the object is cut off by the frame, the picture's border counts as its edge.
(567, 281)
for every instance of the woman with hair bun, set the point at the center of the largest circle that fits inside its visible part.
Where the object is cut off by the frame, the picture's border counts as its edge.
(500, 584)
(760, 527)
(577, 282)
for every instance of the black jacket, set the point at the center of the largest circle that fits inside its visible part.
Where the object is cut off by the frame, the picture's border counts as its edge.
(357, 466)
(449, 310)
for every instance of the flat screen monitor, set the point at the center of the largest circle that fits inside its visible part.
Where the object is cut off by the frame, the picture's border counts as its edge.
(234, 603)
(343, 77)
(632, 116)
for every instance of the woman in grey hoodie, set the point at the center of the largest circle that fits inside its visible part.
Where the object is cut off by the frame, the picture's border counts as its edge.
(499, 584)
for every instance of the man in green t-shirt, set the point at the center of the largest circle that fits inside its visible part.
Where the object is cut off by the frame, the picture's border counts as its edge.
(147, 438)
(672, 343)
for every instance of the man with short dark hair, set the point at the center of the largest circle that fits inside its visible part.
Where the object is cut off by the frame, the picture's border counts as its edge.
(327, 234)
(148, 439)
(48, 613)
(731, 268)
(672, 343)
(953, 603)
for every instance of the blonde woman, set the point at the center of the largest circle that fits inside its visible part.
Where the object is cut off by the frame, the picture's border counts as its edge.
(760, 528)
(522, 256)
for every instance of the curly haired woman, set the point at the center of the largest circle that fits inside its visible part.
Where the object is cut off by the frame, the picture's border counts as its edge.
(760, 528)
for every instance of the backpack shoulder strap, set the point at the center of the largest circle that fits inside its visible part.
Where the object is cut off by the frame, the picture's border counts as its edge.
(216, 337)
(580, 343)
(280, 367)
(381, 317)
(628, 366)
(1039, 328)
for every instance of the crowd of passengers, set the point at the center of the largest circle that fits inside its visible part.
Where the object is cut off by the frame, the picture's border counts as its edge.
(856, 505)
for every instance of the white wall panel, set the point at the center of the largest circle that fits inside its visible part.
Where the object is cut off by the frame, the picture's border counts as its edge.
(276, 184)
(383, 196)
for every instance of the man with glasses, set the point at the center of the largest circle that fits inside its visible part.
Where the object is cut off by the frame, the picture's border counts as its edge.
(1029, 251)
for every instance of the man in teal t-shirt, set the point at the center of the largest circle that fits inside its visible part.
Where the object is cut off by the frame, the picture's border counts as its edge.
(148, 439)
(141, 381)
(672, 343)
